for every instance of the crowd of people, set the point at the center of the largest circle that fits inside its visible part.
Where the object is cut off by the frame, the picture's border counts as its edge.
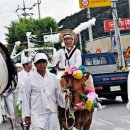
(38, 93)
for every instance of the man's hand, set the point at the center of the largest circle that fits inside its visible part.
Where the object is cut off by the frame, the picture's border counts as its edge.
(27, 120)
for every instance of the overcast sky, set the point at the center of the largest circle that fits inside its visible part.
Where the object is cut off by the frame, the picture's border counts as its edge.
(57, 9)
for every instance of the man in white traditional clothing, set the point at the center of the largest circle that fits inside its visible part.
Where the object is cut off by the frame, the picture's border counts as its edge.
(22, 77)
(128, 91)
(9, 108)
(19, 67)
(10, 101)
(42, 95)
(68, 56)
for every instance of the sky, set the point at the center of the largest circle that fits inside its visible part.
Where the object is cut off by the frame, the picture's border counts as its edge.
(58, 9)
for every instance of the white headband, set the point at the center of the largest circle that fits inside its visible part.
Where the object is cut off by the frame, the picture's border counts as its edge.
(68, 35)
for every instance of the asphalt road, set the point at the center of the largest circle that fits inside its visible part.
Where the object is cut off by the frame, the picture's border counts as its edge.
(112, 116)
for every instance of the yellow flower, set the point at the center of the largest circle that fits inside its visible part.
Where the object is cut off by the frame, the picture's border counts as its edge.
(77, 74)
(89, 105)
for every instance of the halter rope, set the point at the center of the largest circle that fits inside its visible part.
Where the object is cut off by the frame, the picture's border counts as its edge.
(69, 109)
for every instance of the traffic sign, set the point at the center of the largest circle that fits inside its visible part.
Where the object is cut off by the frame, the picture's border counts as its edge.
(94, 3)
(127, 53)
(124, 24)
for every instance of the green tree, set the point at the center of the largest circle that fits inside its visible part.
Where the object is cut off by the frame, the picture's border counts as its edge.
(17, 29)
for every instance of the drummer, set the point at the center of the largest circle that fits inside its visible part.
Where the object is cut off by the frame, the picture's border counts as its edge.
(70, 55)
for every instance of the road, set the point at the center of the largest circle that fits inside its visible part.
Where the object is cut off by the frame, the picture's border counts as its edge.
(113, 116)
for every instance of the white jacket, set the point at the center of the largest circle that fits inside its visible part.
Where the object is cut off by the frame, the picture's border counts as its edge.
(41, 97)
(22, 77)
(75, 59)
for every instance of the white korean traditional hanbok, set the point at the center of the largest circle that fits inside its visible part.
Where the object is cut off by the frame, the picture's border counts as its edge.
(41, 97)
(22, 77)
(67, 60)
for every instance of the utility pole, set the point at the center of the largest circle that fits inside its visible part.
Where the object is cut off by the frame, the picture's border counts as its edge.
(129, 4)
(117, 33)
(25, 14)
(24, 9)
(38, 4)
(90, 32)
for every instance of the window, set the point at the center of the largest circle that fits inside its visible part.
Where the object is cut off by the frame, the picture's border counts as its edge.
(96, 61)
(103, 60)
(88, 61)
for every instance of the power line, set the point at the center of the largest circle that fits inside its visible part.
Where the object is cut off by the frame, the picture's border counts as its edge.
(24, 9)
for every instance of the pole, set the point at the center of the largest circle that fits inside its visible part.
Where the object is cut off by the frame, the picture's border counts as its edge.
(90, 32)
(117, 33)
(24, 9)
(39, 14)
(111, 41)
(129, 4)
(80, 42)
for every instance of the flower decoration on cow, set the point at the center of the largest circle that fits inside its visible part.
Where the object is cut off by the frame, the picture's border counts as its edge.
(89, 96)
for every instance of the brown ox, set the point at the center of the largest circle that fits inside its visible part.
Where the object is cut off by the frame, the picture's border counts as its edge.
(83, 117)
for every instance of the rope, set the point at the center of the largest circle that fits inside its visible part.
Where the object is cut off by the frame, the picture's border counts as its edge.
(70, 110)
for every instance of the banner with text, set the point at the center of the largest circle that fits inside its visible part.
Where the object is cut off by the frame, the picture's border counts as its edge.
(94, 3)
(124, 24)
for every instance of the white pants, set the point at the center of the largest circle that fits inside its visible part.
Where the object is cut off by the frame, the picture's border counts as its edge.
(37, 129)
(48, 121)
(9, 106)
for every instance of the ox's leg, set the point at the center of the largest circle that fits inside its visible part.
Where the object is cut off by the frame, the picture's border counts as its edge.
(62, 119)
(87, 125)
(63, 125)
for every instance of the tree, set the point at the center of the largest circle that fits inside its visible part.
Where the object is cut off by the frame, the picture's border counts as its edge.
(17, 30)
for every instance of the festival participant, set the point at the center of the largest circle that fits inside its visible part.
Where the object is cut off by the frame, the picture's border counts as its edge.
(128, 90)
(22, 77)
(2, 110)
(69, 55)
(42, 95)
(9, 107)
(19, 67)
(9, 99)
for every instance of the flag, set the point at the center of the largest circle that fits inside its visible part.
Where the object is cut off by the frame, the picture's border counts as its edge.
(114, 41)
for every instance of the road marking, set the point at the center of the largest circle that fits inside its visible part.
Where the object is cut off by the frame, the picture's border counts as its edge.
(106, 121)
(118, 128)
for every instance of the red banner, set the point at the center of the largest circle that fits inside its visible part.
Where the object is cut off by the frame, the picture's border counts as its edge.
(124, 25)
